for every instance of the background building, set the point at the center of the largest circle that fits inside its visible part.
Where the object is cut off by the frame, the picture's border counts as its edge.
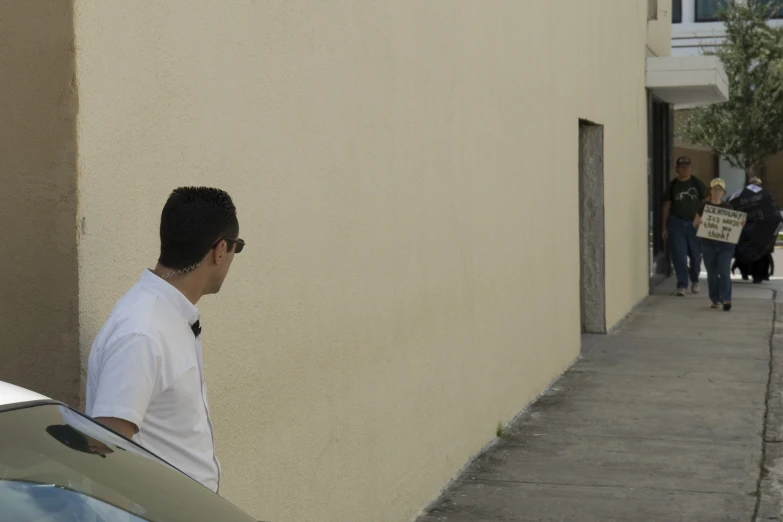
(695, 28)
(438, 199)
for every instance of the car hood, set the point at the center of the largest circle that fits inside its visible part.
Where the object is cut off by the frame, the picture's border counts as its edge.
(12, 394)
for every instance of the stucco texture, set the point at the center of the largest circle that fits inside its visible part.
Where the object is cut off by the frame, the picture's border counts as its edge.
(406, 177)
(39, 342)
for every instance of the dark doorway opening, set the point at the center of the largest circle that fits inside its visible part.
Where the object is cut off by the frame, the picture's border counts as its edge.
(660, 143)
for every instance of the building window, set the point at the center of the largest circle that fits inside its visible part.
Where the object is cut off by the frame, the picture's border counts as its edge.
(775, 7)
(652, 9)
(676, 11)
(707, 10)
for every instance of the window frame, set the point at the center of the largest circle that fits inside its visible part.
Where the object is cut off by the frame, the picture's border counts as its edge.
(779, 14)
(677, 11)
(700, 20)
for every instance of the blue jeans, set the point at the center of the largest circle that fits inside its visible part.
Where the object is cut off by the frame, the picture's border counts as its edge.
(684, 246)
(717, 259)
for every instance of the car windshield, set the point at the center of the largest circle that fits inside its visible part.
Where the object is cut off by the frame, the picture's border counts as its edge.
(57, 465)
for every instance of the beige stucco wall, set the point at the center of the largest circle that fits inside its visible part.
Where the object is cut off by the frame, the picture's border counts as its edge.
(38, 281)
(406, 174)
(659, 31)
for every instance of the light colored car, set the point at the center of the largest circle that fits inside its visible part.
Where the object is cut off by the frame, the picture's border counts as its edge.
(58, 465)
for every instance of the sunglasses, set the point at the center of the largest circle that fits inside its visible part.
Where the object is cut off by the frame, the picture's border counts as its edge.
(240, 243)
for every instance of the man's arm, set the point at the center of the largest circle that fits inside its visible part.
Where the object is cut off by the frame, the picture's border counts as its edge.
(127, 380)
(123, 427)
(697, 219)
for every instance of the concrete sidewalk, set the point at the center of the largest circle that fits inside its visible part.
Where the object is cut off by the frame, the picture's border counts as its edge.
(662, 420)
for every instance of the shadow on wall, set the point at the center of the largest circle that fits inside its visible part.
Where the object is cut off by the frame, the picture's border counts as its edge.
(38, 280)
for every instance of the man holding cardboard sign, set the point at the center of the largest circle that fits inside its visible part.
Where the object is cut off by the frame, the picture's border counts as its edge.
(719, 227)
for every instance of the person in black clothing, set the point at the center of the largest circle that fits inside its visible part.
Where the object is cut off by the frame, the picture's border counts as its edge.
(767, 267)
(681, 202)
(757, 241)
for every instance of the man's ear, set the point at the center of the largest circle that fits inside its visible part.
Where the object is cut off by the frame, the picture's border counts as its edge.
(219, 253)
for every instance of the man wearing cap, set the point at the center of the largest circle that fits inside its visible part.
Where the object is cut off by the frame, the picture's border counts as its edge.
(681, 203)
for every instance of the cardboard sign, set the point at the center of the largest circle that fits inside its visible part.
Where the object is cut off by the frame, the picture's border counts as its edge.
(721, 224)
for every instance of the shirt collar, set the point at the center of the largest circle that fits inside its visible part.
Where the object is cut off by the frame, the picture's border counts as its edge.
(165, 291)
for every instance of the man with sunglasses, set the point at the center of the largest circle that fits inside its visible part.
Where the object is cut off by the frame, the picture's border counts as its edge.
(145, 377)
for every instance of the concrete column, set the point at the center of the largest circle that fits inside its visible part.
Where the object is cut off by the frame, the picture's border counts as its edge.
(39, 336)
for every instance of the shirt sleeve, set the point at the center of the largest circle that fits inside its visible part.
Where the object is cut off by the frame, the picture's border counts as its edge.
(127, 379)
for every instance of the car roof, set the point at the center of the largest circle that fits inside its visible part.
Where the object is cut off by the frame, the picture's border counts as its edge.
(12, 394)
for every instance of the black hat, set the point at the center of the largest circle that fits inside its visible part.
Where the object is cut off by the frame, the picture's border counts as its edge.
(683, 161)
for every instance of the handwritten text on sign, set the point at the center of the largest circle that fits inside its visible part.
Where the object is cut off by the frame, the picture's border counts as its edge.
(721, 224)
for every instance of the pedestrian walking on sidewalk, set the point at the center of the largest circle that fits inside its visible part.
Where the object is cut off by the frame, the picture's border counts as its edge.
(757, 242)
(717, 254)
(682, 201)
(145, 377)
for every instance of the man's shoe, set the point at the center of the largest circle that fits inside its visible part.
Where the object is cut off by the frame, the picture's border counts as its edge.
(727, 307)
(695, 287)
(680, 292)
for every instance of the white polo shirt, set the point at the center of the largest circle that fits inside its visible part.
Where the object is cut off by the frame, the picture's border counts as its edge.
(145, 367)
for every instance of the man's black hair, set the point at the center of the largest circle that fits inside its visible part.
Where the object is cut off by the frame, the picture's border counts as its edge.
(192, 221)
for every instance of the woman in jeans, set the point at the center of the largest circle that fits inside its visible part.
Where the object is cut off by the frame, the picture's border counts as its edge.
(717, 254)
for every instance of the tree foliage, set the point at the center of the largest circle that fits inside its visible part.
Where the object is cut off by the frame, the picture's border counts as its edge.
(748, 128)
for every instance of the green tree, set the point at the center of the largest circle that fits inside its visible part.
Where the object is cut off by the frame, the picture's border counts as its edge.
(748, 128)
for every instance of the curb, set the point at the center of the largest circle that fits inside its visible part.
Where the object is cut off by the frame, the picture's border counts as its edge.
(769, 506)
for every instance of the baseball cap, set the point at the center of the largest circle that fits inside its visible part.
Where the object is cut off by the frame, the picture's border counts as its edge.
(683, 161)
(717, 182)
